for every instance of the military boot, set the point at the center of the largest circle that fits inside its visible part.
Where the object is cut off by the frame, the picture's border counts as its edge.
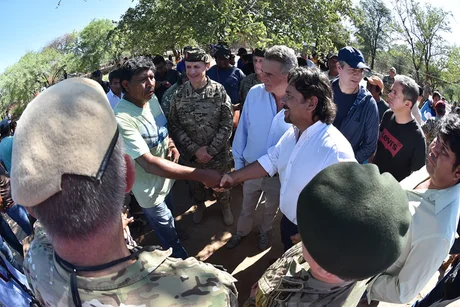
(227, 213)
(198, 215)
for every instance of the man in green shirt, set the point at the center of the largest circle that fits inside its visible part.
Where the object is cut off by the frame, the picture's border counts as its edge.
(142, 125)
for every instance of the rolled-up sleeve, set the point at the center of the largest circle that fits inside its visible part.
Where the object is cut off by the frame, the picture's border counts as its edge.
(270, 161)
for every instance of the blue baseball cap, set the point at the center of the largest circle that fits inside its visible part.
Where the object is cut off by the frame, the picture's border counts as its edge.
(353, 57)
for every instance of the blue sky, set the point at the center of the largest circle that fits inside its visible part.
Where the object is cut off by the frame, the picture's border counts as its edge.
(28, 25)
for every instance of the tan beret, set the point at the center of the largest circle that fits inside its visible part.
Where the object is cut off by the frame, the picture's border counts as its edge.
(67, 129)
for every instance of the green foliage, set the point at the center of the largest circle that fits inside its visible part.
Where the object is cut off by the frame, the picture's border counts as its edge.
(421, 27)
(93, 48)
(373, 27)
(158, 25)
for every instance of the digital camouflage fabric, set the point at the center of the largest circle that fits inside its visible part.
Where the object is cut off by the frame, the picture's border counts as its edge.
(154, 279)
(288, 282)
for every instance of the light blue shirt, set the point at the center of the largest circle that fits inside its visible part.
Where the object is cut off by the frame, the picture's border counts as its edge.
(260, 127)
(6, 152)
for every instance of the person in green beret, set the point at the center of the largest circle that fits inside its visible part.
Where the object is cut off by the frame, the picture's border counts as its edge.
(201, 123)
(351, 230)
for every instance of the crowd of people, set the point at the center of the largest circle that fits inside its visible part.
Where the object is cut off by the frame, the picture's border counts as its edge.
(364, 170)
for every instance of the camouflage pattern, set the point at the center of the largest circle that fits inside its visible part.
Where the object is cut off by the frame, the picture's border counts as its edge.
(155, 279)
(246, 84)
(166, 101)
(288, 282)
(199, 119)
(430, 129)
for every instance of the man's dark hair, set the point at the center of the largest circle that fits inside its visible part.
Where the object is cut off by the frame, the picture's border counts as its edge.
(449, 132)
(301, 61)
(311, 82)
(115, 74)
(96, 73)
(420, 91)
(158, 60)
(133, 67)
(436, 93)
(84, 206)
(5, 129)
(440, 109)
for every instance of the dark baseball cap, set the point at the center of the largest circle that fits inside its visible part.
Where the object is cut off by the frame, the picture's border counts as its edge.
(223, 52)
(353, 57)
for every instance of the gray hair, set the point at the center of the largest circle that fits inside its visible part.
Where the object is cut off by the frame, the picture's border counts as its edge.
(410, 88)
(283, 55)
(85, 206)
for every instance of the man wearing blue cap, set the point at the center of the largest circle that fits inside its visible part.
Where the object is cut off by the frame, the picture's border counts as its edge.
(357, 114)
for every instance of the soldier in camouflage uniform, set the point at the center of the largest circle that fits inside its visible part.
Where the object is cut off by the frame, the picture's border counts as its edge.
(350, 230)
(252, 79)
(74, 182)
(200, 122)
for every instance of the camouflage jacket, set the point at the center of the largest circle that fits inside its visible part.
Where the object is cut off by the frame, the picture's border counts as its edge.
(155, 279)
(288, 282)
(246, 84)
(201, 118)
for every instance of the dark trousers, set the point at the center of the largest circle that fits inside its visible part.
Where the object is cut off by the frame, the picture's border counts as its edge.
(287, 229)
(447, 289)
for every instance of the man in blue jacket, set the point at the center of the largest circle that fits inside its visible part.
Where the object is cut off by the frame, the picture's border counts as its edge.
(357, 114)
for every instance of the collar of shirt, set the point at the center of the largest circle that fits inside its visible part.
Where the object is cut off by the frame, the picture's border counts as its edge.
(132, 273)
(312, 130)
(440, 198)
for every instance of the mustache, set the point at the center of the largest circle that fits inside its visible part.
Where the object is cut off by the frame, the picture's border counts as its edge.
(285, 107)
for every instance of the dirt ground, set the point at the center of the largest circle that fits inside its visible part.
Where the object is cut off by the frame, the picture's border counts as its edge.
(206, 240)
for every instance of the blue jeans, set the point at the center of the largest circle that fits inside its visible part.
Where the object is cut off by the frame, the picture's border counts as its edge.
(287, 229)
(6, 251)
(162, 223)
(9, 236)
(19, 214)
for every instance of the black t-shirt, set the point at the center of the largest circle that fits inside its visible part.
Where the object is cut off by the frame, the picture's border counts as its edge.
(401, 148)
(343, 102)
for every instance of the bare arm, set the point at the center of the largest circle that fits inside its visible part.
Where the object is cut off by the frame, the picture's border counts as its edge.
(167, 169)
(252, 171)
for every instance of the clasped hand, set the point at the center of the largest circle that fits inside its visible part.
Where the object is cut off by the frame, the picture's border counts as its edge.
(217, 181)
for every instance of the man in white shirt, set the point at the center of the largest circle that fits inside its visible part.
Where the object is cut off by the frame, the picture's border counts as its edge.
(434, 200)
(260, 127)
(308, 147)
(115, 94)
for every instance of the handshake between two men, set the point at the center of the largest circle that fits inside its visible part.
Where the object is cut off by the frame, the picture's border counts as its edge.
(219, 183)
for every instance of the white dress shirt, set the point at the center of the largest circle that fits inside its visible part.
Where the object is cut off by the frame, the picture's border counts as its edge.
(435, 215)
(113, 99)
(298, 160)
(260, 127)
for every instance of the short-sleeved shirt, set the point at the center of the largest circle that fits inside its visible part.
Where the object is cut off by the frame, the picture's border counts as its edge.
(144, 130)
(401, 148)
(6, 152)
(230, 78)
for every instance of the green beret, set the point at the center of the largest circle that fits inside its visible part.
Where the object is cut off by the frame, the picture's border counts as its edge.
(197, 55)
(353, 221)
